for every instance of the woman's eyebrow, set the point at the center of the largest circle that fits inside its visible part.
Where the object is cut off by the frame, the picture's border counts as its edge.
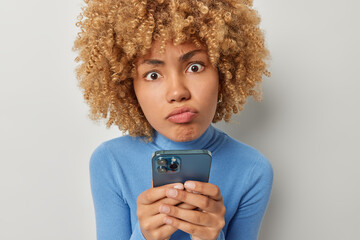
(182, 58)
(189, 55)
(153, 62)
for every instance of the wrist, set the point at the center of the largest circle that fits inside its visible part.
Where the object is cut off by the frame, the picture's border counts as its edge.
(221, 236)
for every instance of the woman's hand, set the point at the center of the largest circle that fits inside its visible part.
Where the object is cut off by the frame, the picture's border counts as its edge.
(205, 223)
(151, 221)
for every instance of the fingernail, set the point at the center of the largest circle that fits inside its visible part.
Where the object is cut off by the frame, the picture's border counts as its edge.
(164, 209)
(172, 192)
(167, 221)
(179, 186)
(190, 185)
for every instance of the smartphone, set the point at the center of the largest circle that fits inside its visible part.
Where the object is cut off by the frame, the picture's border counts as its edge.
(173, 166)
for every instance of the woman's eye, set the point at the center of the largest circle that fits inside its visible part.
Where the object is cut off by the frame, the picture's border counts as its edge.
(152, 76)
(196, 67)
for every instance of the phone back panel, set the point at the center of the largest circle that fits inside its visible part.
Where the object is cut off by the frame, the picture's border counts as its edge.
(172, 166)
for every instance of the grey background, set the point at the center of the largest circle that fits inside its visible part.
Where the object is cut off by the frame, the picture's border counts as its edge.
(307, 124)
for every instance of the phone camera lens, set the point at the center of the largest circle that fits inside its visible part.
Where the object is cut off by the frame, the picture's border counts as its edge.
(162, 162)
(162, 169)
(173, 166)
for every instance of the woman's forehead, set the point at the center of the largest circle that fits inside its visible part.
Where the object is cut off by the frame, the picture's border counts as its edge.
(180, 49)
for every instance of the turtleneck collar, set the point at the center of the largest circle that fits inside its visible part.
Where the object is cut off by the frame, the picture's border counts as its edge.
(205, 141)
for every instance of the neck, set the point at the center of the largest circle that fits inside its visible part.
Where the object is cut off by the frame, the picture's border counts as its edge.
(201, 142)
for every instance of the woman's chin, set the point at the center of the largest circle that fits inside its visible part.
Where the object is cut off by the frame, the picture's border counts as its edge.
(184, 133)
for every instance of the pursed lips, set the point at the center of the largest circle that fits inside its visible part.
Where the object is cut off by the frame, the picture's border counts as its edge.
(182, 115)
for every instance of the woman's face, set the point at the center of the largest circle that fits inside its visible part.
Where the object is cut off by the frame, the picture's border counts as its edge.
(177, 90)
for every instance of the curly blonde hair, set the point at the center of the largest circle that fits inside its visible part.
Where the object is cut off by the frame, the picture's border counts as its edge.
(114, 33)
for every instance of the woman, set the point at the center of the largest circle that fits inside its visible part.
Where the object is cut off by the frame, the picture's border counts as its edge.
(164, 71)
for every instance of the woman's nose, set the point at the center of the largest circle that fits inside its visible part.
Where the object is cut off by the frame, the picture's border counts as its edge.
(177, 90)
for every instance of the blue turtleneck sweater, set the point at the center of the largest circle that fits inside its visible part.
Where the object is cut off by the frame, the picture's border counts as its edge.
(120, 169)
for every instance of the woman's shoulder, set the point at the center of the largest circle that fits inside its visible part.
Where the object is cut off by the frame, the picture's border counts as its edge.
(116, 147)
(124, 142)
(242, 152)
(241, 163)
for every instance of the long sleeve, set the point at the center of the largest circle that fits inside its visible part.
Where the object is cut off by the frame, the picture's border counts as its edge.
(111, 211)
(245, 224)
(120, 170)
